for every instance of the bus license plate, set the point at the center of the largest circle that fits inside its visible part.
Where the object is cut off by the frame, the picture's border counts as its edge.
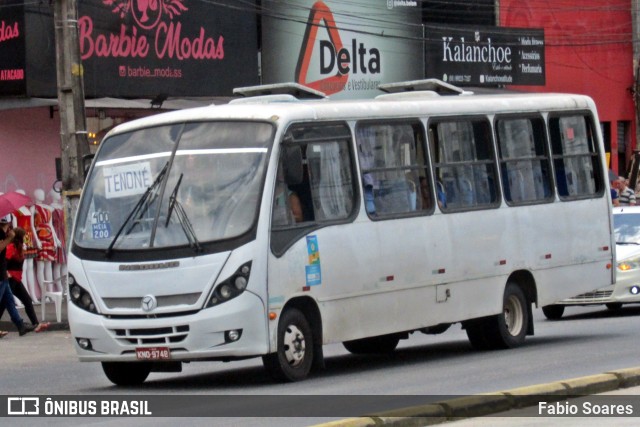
(153, 353)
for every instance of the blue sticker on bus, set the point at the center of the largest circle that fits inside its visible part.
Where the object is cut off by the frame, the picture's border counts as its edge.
(313, 250)
(314, 275)
(312, 271)
(100, 225)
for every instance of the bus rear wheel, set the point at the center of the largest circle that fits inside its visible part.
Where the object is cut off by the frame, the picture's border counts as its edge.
(126, 373)
(374, 345)
(505, 330)
(294, 356)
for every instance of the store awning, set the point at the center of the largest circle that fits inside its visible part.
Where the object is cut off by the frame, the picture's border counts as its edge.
(18, 103)
(116, 103)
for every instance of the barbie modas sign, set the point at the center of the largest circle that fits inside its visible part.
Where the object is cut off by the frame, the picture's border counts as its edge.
(8, 31)
(149, 15)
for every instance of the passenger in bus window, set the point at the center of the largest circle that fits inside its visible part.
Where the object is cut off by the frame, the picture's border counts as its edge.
(441, 195)
(425, 193)
(287, 208)
(296, 206)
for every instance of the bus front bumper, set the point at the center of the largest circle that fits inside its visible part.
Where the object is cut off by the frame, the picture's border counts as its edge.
(206, 335)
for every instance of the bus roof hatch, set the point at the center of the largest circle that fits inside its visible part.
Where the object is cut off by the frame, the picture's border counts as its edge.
(294, 89)
(432, 85)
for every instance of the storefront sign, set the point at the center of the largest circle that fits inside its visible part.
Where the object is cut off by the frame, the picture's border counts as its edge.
(166, 47)
(486, 56)
(12, 41)
(147, 48)
(342, 49)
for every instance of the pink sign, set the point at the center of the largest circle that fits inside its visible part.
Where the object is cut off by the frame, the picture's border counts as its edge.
(8, 31)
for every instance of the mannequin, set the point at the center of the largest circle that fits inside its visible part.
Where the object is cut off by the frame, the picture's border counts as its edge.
(60, 265)
(46, 239)
(24, 219)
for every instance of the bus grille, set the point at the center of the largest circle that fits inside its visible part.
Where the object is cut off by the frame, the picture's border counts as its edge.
(590, 296)
(168, 335)
(163, 301)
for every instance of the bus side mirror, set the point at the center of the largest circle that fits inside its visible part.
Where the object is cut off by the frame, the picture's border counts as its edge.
(86, 164)
(292, 160)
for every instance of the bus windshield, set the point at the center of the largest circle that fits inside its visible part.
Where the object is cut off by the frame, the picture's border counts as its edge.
(174, 185)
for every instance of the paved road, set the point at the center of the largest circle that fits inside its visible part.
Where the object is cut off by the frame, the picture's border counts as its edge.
(588, 341)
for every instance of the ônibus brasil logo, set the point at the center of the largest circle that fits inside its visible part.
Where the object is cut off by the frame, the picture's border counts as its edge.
(167, 39)
(337, 61)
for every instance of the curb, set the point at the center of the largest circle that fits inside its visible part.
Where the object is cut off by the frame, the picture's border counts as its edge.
(492, 403)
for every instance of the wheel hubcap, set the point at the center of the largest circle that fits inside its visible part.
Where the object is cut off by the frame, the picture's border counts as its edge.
(294, 345)
(513, 315)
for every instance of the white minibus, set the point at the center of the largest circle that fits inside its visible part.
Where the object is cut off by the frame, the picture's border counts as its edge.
(284, 221)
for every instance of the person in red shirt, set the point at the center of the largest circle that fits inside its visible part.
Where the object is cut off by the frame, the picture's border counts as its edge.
(15, 260)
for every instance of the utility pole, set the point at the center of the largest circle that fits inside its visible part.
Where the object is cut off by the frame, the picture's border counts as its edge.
(73, 127)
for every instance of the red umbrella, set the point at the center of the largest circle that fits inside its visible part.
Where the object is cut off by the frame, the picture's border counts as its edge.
(12, 201)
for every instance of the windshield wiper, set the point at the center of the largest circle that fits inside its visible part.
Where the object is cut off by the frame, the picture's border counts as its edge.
(173, 200)
(186, 225)
(627, 243)
(138, 208)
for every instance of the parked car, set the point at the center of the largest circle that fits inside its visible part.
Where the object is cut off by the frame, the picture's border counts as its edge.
(626, 224)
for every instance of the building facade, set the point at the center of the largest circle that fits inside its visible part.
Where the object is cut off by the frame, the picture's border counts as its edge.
(588, 50)
(188, 53)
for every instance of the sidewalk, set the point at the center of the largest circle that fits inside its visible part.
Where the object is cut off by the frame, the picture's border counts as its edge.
(512, 407)
(49, 316)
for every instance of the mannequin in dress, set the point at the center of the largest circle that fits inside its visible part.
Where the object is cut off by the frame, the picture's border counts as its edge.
(24, 219)
(60, 265)
(46, 239)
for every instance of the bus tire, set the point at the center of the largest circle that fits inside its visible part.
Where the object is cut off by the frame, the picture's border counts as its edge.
(374, 345)
(293, 358)
(512, 323)
(505, 330)
(126, 373)
(553, 312)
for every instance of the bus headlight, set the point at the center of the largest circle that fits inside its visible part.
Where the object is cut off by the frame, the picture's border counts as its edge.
(80, 297)
(629, 264)
(232, 287)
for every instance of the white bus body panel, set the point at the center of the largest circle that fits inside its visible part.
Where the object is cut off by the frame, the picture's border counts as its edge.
(395, 275)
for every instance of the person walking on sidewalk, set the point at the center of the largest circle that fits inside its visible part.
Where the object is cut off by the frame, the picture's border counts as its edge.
(6, 297)
(15, 261)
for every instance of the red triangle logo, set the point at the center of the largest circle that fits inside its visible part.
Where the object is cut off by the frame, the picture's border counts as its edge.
(329, 85)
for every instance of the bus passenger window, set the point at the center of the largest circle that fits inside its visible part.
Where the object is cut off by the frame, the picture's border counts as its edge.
(524, 160)
(464, 164)
(324, 189)
(575, 157)
(392, 165)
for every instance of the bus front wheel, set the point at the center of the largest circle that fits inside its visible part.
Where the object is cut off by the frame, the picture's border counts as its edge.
(505, 330)
(293, 358)
(126, 373)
